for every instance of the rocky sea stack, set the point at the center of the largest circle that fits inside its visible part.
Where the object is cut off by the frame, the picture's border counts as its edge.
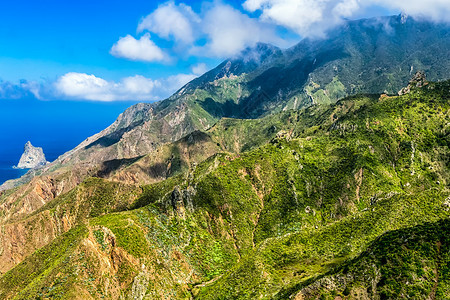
(32, 157)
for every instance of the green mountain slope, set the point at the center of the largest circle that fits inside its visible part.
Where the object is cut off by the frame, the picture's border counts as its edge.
(295, 217)
(349, 186)
(411, 262)
(364, 56)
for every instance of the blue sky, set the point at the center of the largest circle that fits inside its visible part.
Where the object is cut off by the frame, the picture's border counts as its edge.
(43, 40)
(144, 50)
(46, 39)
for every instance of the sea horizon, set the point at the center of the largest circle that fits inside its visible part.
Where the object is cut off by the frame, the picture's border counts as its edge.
(55, 126)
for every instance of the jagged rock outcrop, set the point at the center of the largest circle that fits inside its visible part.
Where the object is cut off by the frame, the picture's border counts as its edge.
(32, 157)
(417, 81)
(183, 199)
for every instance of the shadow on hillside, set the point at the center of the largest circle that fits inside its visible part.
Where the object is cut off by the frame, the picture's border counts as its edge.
(108, 167)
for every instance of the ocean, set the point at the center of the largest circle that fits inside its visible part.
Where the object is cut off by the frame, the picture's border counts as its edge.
(7, 172)
(56, 126)
(7, 162)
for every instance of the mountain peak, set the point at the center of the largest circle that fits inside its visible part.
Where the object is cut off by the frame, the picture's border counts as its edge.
(248, 60)
(403, 17)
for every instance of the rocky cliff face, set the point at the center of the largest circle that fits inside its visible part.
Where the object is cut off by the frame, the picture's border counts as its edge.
(32, 157)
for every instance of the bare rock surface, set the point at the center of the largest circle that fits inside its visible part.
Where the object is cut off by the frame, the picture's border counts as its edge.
(417, 81)
(32, 157)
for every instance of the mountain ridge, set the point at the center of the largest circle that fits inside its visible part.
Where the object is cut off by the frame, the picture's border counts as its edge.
(261, 223)
(281, 80)
(244, 171)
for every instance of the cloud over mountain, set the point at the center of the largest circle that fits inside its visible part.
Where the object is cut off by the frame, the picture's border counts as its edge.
(229, 31)
(305, 17)
(313, 18)
(221, 30)
(435, 10)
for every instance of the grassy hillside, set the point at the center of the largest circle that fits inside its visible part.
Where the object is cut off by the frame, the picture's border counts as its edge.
(381, 166)
(329, 201)
(411, 262)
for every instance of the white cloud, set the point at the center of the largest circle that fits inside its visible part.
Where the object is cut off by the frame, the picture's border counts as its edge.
(314, 17)
(140, 86)
(171, 21)
(175, 82)
(199, 69)
(90, 87)
(436, 10)
(229, 31)
(346, 8)
(218, 31)
(143, 49)
(305, 17)
(23, 89)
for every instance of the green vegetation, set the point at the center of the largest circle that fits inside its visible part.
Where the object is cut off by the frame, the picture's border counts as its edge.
(343, 200)
(93, 197)
(129, 235)
(41, 274)
(336, 191)
(411, 262)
